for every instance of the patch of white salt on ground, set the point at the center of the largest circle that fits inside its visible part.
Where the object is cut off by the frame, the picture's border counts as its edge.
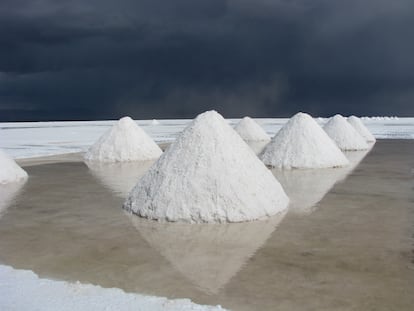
(249, 130)
(23, 290)
(209, 174)
(361, 128)
(302, 143)
(125, 141)
(344, 134)
(10, 171)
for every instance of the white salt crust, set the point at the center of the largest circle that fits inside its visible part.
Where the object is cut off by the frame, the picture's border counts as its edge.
(23, 290)
(10, 171)
(249, 130)
(344, 134)
(361, 129)
(301, 143)
(125, 141)
(209, 174)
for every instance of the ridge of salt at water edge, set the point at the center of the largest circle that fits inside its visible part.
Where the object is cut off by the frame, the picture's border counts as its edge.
(209, 174)
(10, 171)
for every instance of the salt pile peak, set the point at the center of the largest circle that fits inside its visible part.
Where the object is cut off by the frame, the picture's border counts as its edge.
(9, 170)
(249, 130)
(125, 141)
(361, 128)
(344, 134)
(301, 143)
(209, 174)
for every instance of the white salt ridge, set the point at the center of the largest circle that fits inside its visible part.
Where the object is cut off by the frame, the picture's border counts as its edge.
(302, 143)
(125, 141)
(344, 134)
(361, 128)
(249, 130)
(209, 174)
(23, 290)
(10, 171)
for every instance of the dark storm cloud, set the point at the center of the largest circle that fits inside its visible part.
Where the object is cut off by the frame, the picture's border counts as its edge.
(95, 59)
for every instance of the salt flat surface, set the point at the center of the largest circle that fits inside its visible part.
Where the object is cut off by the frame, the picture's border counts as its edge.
(30, 139)
(24, 290)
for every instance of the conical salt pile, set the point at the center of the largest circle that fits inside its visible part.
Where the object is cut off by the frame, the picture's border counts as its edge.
(125, 141)
(302, 143)
(344, 134)
(249, 130)
(9, 170)
(361, 128)
(209, 174)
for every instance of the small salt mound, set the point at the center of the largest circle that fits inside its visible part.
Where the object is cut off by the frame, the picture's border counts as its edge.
(155, 122)
(249, 130)
(344, 134)
(209, 174)
(9, 170)
(361, 128)
(302, 143)
(125, 141)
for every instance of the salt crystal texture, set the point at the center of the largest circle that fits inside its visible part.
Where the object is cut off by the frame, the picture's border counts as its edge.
(344, 134)
(302, 143)
(249, 130)
(9, 170)
(361, 128)
(209, 174)
(125, 141)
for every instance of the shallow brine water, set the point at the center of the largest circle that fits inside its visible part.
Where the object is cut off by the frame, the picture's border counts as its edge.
(345, 244)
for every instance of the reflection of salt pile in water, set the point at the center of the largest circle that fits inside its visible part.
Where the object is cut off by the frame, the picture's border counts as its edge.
(344, 134)
(125, 141)
(306, 188)
(302, 143)
(8, 192)
(119, 177)
(249, 130)
(209, 255)
(361, 128)
(9, 170)
(208, 174)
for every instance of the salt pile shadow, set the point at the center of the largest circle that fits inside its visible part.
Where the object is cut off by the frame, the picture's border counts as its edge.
(306, 187)
(208, 255)
(8, 193)
(119, 177)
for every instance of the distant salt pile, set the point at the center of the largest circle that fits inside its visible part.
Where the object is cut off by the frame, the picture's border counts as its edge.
(249, 130)
(9, 170)
(155, 122)
(302, 143)
(361, 128)
(209, 174)
(344, 134)
(125, 141)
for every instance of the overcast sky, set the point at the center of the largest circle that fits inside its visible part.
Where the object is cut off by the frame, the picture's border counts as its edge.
(102, 59)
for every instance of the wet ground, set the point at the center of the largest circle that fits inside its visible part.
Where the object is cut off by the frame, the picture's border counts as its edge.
(345, 244)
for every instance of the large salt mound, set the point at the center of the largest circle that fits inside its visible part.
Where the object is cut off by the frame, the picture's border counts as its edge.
(302, 143)
(9, 170)
(209, 174)
(361, 128)
(125, 141)
(249, 130)
(344, 134)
